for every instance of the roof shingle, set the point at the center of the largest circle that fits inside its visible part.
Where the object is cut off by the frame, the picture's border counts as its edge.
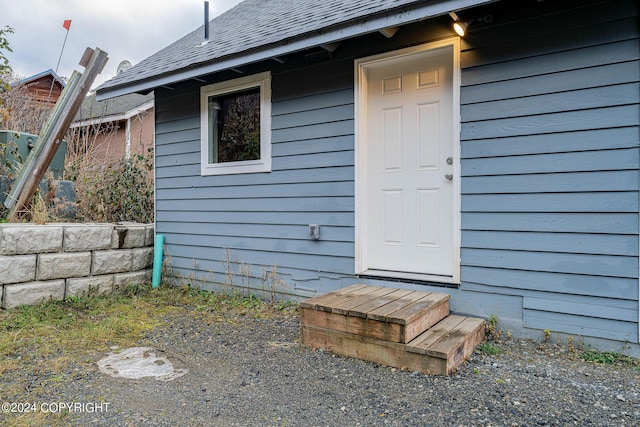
(255, 24)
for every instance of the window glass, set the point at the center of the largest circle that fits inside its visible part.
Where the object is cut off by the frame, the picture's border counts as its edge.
(234, 126)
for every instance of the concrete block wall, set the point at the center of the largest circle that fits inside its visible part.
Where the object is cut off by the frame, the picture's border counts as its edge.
(39, 262)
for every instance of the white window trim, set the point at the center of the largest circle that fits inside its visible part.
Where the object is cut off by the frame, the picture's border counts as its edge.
(262, 81)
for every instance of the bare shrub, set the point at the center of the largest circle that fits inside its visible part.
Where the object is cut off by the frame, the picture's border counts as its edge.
(108, 191)
(121, 191)
(23, 112)
(105, 191)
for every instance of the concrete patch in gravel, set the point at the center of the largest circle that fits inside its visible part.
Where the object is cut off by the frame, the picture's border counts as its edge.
(283, 345)
(139, 362)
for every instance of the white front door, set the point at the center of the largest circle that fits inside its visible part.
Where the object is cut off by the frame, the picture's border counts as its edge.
(408, 170)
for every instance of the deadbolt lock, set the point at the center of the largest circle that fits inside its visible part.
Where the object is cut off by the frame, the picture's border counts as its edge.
(449, 160)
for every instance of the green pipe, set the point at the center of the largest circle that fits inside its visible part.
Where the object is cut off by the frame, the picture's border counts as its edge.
(158, 252)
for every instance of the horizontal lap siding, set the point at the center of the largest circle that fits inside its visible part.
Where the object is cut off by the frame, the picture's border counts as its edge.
(243, 228)
(549, 143)
(549, 172)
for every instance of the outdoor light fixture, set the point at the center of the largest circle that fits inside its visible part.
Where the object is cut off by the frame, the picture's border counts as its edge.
(460, 27)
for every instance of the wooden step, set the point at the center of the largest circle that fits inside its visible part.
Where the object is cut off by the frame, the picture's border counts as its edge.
(453, 339)
(401, 328)
(371, 349)
(438, 352)
(388, 314)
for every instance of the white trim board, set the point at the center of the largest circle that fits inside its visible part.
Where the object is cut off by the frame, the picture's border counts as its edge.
(361, 66)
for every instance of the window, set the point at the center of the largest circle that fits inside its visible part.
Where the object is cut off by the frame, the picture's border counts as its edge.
(236, 126)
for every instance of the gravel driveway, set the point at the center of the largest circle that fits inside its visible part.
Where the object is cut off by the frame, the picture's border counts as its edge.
(254, 372)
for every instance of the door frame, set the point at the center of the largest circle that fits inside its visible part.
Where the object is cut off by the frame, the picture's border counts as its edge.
(361, 67)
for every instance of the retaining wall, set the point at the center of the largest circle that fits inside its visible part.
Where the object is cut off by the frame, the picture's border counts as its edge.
(38, 262)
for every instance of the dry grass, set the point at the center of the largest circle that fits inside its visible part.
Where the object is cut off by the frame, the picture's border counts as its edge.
(57, 338)
(76, 327)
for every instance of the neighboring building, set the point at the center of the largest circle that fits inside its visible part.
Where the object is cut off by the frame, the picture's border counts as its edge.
(501, 167)
(28, 103)
(44, 88)
(117, 127)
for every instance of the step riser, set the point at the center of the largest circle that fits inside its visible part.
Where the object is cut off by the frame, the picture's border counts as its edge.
(435, 314)
(353, 325)
(393, 332)
(373, 350)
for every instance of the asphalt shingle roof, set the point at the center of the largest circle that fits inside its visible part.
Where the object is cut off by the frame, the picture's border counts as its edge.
(120, 105)
(259, 24)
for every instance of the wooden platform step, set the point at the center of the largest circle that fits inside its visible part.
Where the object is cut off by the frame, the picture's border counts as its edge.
(400, 328)
(452, 340)
(395, 315)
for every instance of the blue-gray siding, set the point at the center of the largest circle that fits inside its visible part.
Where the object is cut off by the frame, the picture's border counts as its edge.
(246, 227)
(549, 142)
(550, 169)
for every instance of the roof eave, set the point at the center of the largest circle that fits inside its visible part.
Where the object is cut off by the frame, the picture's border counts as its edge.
(114, 117)
(50, 72)
(361, 26)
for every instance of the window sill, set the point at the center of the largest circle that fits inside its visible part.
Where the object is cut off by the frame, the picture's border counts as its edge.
(235, 168)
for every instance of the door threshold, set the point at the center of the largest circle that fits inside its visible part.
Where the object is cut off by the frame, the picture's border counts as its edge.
(416, 279)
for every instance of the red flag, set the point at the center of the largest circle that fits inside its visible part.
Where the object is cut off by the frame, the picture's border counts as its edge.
(67, 24)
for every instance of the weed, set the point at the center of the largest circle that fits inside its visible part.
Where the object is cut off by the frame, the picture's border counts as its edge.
(603, 357)
(491, 329)
(239, 277)
(228, 264)
(571, 345)
(490, 349)
(285, 305)
(38, 210)
(547, 336)
(608, 358)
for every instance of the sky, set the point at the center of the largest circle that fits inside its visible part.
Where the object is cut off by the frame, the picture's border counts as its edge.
(129, 30)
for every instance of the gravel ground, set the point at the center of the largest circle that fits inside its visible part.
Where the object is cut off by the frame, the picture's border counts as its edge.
(254, 372)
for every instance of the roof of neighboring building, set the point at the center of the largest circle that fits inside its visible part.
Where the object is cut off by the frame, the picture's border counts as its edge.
(38, 76)
(255, 30)
(118, 108)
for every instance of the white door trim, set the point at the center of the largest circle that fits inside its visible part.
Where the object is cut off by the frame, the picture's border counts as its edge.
(362, 66)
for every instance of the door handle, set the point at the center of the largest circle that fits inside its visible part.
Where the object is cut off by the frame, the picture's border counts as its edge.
(449, 176)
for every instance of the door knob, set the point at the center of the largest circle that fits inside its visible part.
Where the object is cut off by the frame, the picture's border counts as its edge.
(449, 176)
